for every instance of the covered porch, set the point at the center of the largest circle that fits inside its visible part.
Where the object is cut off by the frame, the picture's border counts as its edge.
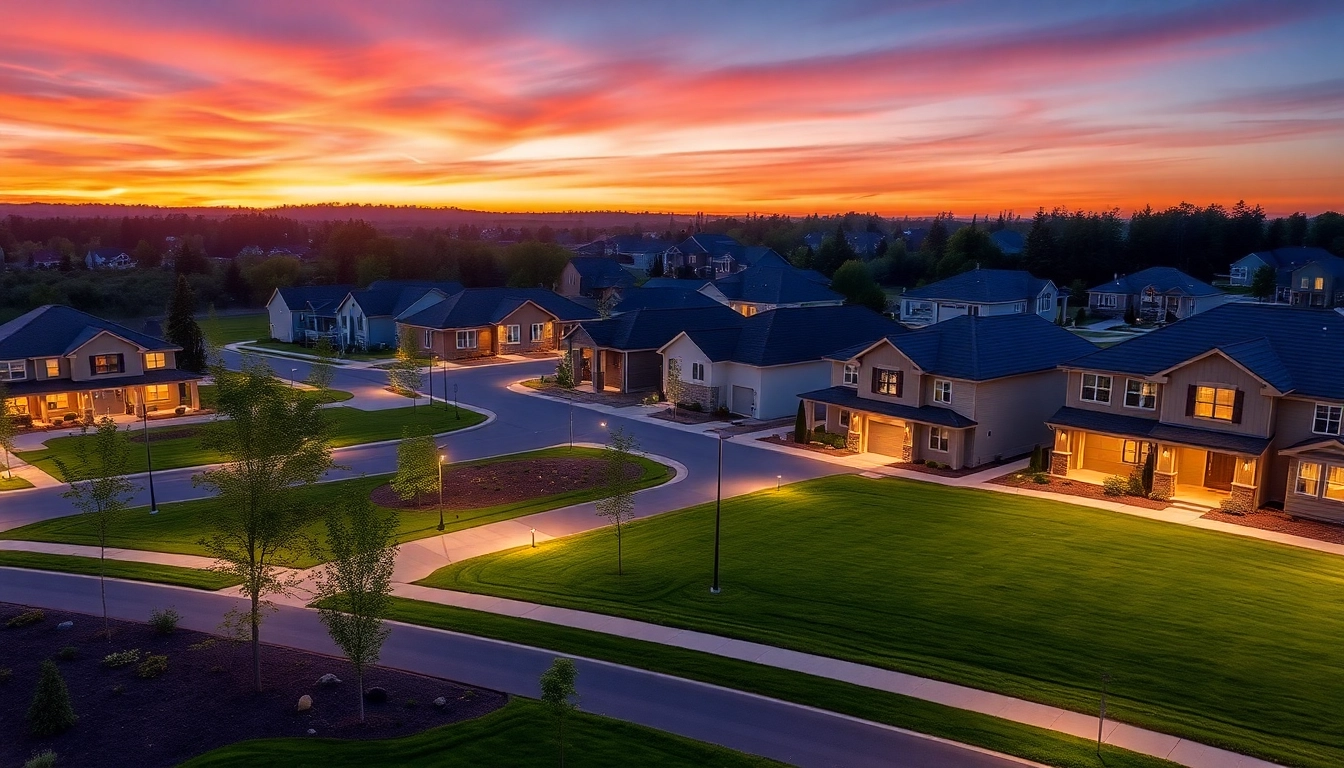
(62, 401)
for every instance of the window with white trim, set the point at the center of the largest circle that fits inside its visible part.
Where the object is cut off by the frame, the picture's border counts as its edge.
(513, 334)
(697, 371)
(1020, 307)
(1107, 300)
(538, 332)
(466, 339)
(1045, 303)
(58, 401)
(1140, 394)
(1096, 388)
(851, 378)
(1306, 281)
(942, 391)
(153, 361)
(1135, 451)
(1334, 483)
(1308, 478)
(13, 371)
(1327, 419)
(104, 364)
(844, 419)
(1240, 273)
(938, 439)
(53, 365)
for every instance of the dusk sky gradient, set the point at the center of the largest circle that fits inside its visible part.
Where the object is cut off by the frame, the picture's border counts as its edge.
(899, 108)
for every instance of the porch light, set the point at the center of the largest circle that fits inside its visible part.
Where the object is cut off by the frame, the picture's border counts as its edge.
(1165, 453)
(1246, 466)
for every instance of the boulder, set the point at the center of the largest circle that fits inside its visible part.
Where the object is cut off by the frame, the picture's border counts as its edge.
(66, 625)
(376, 695)
(328, 679)
(311, 731)
(305, 703)
(441, 702)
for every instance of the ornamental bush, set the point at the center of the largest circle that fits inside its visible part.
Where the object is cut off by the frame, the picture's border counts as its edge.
(1115, 485)
(50, 713)
(164, 621)
(152, 666)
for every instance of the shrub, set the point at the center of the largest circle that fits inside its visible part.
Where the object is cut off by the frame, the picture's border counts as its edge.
(1036, 464)
(1040, 478)
(800, 425)
(152, 666)
(68, 653)
(122, 658)
(1080, 317)
(1115, 485)
(1229, 507)
(164, 621)
(944, 465)
(1136, 483)
(26, 618)
(50, 713)
(5, 674)
(722, 412)
(564, 373)
(931, 464)
(44, 759)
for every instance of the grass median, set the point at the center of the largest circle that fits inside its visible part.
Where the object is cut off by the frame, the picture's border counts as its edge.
(1222, 639)
(15, 483)
(118, 569)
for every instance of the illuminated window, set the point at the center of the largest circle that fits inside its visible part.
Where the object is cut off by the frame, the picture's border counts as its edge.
(538, 332)
(1327, 419)
(104, 364)
(53, 367)
(155, 360)
(1096, 388)
(1135, 452)
(1334, 483)
(16, 406)
(938, 439)
(1215, 403)
(887, 382)
(156, 392)
(1308, 478)
(58, 401)
(942, 391)
(1140, 394)
(1319, 284)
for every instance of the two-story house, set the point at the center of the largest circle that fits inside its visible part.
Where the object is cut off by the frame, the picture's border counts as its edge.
(964, 392)
(697, 254)
(302, 313)
(1281, 260)
(1241, 403)
(594, 277)
(482, 322)
(56, 361)
(981, 292)
(1157, 294)
(1318, 283)
(367, 319)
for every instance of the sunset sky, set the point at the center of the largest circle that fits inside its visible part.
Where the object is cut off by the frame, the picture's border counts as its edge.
(900, 108)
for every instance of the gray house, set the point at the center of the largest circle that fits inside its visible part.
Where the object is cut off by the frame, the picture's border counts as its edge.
(1318, 283)
(1242, 271)
(1157, 294)
(980, 292)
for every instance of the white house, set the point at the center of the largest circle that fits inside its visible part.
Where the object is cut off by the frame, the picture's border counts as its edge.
(981, 292)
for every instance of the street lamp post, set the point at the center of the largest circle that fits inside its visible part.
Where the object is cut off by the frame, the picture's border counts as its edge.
(718, 506)
(442, 457)
(456, 415)
(293, 374)
(149, 460)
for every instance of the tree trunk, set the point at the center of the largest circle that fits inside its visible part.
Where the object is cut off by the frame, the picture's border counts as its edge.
(562, 741)
(256, 643)
(619, 572)
(102, 586)
(359, 689)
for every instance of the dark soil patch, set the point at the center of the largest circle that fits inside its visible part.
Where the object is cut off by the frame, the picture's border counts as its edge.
(503, 482)
(926, 469)
(814, 447)
(204, 700)
(1075, 488)
(687, 416)
(138, 436)
(1274, 520)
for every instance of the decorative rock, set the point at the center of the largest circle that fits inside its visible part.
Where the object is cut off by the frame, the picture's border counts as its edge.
(328, 679)
(375, 695)
(311, 731)
(66, 625)
(305, 703)
(441, 702)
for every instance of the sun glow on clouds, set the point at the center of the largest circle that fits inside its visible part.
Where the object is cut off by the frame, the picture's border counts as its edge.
(523, 105)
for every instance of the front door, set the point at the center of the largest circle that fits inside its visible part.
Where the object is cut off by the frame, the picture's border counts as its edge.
(1218, 471)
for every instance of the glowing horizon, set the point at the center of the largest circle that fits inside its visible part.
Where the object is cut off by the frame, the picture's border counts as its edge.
(973, 107)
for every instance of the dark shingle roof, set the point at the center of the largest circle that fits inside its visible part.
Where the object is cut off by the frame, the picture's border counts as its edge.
(1295, 350)
(54, 330)
(765, 284)
(1162, 279)
(1152, 429)
(1009, 242)
(47, 386)
(1330, 265)
(662, 298)
(600, 272)
(848, 398)
(652, 328)
(987, 347)
(714, 245)
(475, 307)
(1290, 257)
(983, 286)
(389, 298)
(315, 298)
(793, 334)
(674, 282)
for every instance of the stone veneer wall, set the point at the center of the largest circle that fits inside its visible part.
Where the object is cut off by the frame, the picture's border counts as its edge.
(1164, 485)
(1059, 464)
(1242, 500)
(707, 397)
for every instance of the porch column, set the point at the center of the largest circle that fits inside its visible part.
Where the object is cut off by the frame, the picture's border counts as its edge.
(1243, 496)
(1061, 455)
(854, 438)
(908, 444)
(1164, 471)
(195, 395)
(597, 370)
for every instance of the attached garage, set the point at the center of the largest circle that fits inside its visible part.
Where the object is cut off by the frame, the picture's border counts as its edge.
(744, 401)
(886, 439)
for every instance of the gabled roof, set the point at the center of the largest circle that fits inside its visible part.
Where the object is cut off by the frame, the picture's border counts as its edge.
(651, 328)
(1290, 257)
(631, 244)
(107, 254)
(314, 298)
(714, 245)
(1330, 264)
(1162, 280)
(754, 255)
(600, 272)
(766, 284)
(1010, 242)
(662, 298)
(475, 307)
(54, 330)
(793, 334)
(983, 286)
(1298, 351)
(979, 348)
(389, 298)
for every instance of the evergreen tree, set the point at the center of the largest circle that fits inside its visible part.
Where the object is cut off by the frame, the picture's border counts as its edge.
(1038, 252)
(235, 284)
(853, 281)
(50, 713)
(834, 252)
(181, 328)
(935, 242)
(1263, 282)
(800, 425)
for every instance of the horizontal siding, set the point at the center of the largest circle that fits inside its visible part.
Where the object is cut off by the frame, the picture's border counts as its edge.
(1258, 409)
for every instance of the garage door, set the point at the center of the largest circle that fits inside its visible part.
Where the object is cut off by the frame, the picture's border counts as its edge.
(886, 439)
(744, 401)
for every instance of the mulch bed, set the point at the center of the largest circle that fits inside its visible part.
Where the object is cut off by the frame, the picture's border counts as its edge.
(1076, 488)
(814, 447)
(503, 482)
(1274, 520)
(205, 699)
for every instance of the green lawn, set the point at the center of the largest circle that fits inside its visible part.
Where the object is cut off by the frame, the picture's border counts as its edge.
(180, 526)
(227, 329)
(1222, 639)
(118, 569)
(15, 483)
(351, 426)
(290, 350)
(329, 396)
(959, 725)
(521, 733)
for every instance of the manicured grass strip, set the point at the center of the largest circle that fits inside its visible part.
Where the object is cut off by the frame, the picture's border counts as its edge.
(15, 483)
(292, 350)
(902, 711)
(521, 733)
(329, 396)
(180, 526)
(350, 426)
(226, 329)
(118, 569)
(1222, 639)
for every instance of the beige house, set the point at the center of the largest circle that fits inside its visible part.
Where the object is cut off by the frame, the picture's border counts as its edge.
(485, 322)
(59, 364)
(1241, 406)
(964, 392)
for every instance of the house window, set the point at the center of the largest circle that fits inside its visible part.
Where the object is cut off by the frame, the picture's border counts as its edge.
(359, 323)
(886, 382)
(466, 339)
(1308, 478)
(1020, 307)
(1134, 452)
(155, 361)
(429, 340)
(1306, 281)
(1215, 403)
(938, 439)
(156, 392)
(1140, 394)
(1334, 483)
(1327, 419)
(1045, 303)
(1239, 274)
(697, 371)
(942, 391)
(104, 364)
(513, 334)
(851, 375)
(538, 332)
(819, 412)
(16, 406)
(58, 401)
(844, 421)
(1107, 300)
(1096, 388)
(1319, 284)
(13, 371)
(53, 367)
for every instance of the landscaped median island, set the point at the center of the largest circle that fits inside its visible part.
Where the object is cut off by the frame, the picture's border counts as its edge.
(475, 493)
(175, 447)
(1224, 640)
(117, 569)
(15, 483)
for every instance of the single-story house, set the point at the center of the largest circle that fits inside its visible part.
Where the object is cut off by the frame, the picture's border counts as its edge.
(55, 360)
(483, 322)
(367, 319)
(302, 313)
(1157, 294)
(620, 353)
(1242, 272)
(594, 277)
(108, 258)
(757, 367)
(963, 392)
(775, 284)
(981, 292)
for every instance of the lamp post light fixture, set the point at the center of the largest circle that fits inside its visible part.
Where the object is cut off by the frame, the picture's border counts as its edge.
(149, 460)
(442, 458)
(456, 415)
(293, 374)
(779, 480)
(718, 508)
(534, 538)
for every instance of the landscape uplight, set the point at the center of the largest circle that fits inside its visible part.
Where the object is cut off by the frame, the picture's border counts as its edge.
(534, 538)
(779, 480)
(442, 458)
